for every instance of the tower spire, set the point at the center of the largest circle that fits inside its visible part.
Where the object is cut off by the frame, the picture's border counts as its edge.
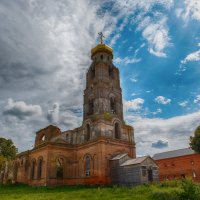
(101, 36)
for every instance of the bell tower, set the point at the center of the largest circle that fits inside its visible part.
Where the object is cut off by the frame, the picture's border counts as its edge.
(103, 95)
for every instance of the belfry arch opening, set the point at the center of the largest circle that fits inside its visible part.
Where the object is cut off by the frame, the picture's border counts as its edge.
(87, 135)
(93, 72)
(112, 105)
(91, 106)
(117, 131)
(110, 72)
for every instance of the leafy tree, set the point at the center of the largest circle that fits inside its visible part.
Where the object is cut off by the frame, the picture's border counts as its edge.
(7, 149)
(2, 162)
(195, 141)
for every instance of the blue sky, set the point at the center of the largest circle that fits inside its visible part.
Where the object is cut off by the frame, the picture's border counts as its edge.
(45, 53)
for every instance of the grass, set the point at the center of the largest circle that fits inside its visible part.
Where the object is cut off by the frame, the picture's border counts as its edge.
(173, 190)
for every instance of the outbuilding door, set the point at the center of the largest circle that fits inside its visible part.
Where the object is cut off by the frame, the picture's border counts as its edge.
(150, 175)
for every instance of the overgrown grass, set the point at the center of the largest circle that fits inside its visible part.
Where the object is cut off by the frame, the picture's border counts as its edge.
(170, 190)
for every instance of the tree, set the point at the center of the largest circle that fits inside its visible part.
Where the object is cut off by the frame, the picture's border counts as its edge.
(7, 149)
(195, 141)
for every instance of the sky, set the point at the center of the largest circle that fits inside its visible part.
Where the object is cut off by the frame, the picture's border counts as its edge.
(45, 53)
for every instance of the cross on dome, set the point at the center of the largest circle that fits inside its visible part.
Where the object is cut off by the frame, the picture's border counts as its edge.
(101, 36)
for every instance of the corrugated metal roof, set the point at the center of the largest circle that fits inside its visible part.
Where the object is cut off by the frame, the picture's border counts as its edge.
(175, 153)
(134, 161)
(119, 156)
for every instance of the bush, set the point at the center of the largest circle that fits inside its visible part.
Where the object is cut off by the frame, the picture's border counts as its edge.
(190, 191)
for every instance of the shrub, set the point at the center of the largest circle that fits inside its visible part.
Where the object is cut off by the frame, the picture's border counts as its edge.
(190, 191)
(107, 116)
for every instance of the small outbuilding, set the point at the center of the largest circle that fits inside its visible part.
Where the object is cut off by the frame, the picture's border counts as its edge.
(128, 171)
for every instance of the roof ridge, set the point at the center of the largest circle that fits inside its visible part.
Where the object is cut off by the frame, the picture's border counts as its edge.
(172, 150)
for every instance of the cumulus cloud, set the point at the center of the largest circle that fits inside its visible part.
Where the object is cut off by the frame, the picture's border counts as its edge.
(157, 111)
(21, 110)
(183, 103)
(195, 56)
(160, 144)
(190, 11)
(53, 115)
(66, 118)
(197, 99)
(44, 54)
(175, 130)
(156, 34)
(134, 104)
(162, 100)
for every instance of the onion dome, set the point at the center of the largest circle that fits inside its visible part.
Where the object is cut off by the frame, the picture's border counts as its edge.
(101, 48)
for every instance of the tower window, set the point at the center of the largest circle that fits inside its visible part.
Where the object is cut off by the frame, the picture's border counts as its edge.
(92, 72)
(87, 166)
(87, 135)
(110, 71)
(91, 106)
(112, 105)
(117, 131)
(101, 57)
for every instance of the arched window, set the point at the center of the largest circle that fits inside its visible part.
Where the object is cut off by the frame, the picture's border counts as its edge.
(43, 138)
(93, 72)
(101, 57)
(33, 169)
(59, 168)
(87, 166)
(39, 172)
(117, 131)
(110, 71)
(91, 106)
(87, 135)
(112, 105)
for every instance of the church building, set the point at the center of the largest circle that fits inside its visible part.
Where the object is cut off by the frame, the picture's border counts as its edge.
(101, 151)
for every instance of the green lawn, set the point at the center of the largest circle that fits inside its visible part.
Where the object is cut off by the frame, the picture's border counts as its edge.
(163, 191)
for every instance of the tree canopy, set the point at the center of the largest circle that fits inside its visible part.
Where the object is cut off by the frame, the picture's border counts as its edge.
(7, 148)
(195, 141)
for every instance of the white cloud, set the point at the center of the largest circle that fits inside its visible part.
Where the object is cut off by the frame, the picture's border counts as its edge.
(134, 78)
(195, 56)
(156, 34)
(175, 130)
(183, 103)
(53, 115)
(157, 111)
(190, 11)
(197, 99)
(114, 39)
(162, 100)
(127, 60)
(134, 104)
(21, 110)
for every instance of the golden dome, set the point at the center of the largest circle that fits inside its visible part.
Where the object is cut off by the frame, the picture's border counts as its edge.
(101, 48)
